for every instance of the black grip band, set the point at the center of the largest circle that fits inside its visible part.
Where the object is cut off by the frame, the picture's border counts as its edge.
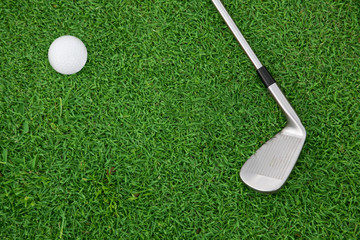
(265, 76)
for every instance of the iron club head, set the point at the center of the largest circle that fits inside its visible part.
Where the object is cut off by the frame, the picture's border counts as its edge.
(268, 169)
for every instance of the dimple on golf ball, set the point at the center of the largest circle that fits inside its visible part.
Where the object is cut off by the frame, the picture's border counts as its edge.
(67, 55)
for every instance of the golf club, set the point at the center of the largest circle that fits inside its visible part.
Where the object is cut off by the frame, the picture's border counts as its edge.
(268, 169)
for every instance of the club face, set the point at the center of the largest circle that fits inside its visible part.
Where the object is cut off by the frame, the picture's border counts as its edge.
(268, 169)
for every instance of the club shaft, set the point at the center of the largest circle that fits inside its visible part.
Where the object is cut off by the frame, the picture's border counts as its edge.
(235, 30)
(264, 75)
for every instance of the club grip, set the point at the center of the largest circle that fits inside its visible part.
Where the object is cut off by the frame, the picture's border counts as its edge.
(265, 76)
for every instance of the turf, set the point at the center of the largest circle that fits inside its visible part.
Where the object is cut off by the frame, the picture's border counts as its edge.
(147, 141)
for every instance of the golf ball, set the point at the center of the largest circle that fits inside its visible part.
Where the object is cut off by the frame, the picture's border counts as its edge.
(67, 55)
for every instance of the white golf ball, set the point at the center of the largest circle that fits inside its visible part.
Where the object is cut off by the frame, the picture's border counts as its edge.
(67, 55)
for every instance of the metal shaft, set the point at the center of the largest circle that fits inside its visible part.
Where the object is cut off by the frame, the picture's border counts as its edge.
(290, 113)
(244, 44)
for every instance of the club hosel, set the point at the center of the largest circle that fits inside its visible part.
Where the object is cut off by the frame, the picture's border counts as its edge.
(293, 120)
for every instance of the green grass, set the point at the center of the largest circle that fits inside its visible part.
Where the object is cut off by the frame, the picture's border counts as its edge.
(147, 141)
